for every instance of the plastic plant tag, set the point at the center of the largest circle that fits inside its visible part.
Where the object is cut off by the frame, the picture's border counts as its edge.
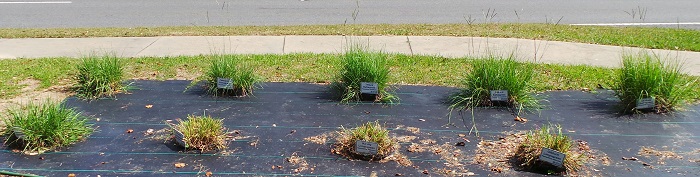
(646, 103)
(553, 157)
(223, 83)
(499, 95)
(179, 138)
(366, 147)
(369, 88)
(18, 133)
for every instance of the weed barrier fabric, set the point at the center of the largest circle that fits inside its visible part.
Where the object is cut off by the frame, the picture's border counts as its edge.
(272, 125)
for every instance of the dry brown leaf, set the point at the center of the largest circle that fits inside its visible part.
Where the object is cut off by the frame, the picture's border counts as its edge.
(208, 174)
(497, 169)
(414, 130)
(180, 165)
(150, 131)
(415, 148)
(630, 158)
(71, 175)
(428, 141)
(520, 119)
(130, 131)
(405, 139)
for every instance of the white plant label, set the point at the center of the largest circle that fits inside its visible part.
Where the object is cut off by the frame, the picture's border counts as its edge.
(223, 83)
(499, 95)
(646, 103)
(366, 147)
(369, 88)
(553, 157)
(180, 138)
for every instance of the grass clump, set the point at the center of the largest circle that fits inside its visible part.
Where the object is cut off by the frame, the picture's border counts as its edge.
(494, 73)
(242, 78)
(302, 67)
(202, 133)
(360, 65)
(99, 76)
(371, 132)
(549, 136)
(646, 75)
(46, 126)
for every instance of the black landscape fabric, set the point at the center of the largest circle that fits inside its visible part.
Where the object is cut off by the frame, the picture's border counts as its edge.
(271, 128)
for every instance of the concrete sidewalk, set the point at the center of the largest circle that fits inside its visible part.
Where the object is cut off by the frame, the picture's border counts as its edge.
(533, 50)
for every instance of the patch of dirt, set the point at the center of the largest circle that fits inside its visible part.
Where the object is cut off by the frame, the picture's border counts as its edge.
(156, 135)
(660, 154)
(319, 139)
(399, 158)
(184, 74)
(416, 148)
(451, 156)
(32, 93)
(298, 162)
(413, 130)
(428, 142)
(495, 155)
(405, 139)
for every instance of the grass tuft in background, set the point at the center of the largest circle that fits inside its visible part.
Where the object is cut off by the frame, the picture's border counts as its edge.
(645, 75)
(243, 79)
(496, 73)
(302, 67)
(99, 76)
(359, 65)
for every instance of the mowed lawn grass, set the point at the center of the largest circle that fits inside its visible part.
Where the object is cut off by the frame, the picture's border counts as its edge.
(304, 67)
(655, 38)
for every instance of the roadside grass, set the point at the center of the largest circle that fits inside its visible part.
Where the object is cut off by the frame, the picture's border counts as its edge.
(370, 132)
(99, 76)
(655, 38)
(241, 77)
(548, 136)
(202, 133)
(496, 73)
(44, 126)
(50, 72)
(360, 65)
(304, 67)
(646, 75)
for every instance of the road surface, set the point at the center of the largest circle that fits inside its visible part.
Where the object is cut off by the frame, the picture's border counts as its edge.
(148, 13)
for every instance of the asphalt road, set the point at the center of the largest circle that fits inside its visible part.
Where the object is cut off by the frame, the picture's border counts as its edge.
(133, 13)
